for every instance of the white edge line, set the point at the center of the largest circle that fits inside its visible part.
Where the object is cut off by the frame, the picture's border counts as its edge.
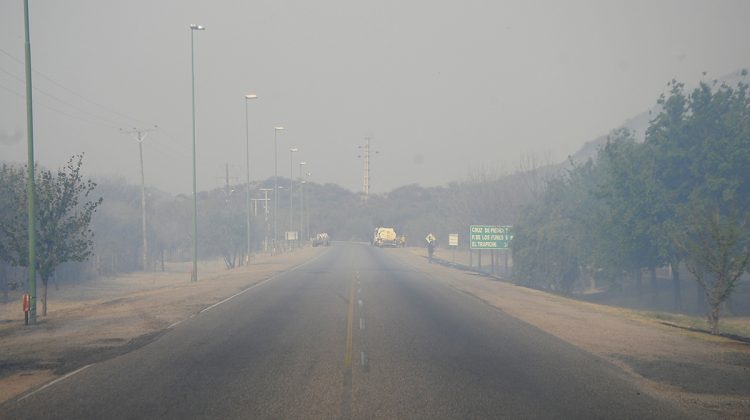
(234, 295)
(261, 283)
(66, 376)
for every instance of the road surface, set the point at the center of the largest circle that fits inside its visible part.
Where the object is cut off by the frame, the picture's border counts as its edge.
(354, 333)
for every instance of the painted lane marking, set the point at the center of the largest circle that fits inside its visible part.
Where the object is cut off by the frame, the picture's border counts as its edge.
(361, 323)
(62, 378)
(175, 324)
(349, 332)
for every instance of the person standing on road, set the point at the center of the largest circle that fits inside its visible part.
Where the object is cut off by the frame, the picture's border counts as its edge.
(430, 246)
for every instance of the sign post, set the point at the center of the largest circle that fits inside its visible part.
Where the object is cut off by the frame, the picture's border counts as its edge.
(453, 242)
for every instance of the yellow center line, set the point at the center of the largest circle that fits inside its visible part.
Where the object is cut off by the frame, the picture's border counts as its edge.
(349, 329)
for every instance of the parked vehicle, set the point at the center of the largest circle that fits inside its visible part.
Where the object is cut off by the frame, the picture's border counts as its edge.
(321, 239)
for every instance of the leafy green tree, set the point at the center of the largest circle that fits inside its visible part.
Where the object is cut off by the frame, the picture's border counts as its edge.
(12, 186)
(64, 211)
(703, 143)
(116, 224)
(635, 206)
(718, 247)
(222, 227)
(553, 242)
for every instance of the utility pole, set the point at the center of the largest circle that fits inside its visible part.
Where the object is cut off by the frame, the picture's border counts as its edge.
(307, 214)
(228, 191)
(248, 246)
(292, 151)
(30, 167)
(366, 170)
(255, 205)
(301, 202)
(140, 135)
(265, 207)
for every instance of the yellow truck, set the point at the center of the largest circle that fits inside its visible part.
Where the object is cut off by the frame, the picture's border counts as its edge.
(385, 236)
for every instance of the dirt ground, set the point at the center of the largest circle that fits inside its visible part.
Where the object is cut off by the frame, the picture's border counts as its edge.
(694, 370)
(100, 319)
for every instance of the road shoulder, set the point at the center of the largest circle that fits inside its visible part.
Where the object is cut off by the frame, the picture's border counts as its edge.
(693, 370)
(101, 319)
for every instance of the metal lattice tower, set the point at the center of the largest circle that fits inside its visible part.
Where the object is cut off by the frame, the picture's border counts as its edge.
(366, 169)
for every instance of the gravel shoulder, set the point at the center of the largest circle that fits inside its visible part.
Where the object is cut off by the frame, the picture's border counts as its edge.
(101, 319)
(695, 370)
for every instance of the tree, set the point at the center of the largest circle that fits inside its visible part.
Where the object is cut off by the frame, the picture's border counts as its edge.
(64, 212)
(12, 186)
(635, 203)
(553, 244)
(718, 247)
(117, 241)
(223, 218)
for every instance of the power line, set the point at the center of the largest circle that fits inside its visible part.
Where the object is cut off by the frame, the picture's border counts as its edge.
(164, 149)
(114, 123)
(72, 92)
(60, 111)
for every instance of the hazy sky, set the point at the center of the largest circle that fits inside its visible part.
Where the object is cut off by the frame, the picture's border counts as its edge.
(440, 86)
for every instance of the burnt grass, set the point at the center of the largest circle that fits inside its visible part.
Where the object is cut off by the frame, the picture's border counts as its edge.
(76, 358)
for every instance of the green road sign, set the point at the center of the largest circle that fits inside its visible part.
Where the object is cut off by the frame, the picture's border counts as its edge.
(490, 237)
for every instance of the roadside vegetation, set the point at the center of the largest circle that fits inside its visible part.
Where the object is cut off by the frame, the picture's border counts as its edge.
(680, 198)
(64, 210)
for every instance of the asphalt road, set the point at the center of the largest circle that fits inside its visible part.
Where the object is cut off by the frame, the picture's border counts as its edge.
(354, 333)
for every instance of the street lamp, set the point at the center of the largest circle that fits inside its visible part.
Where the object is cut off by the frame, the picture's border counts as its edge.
(291, 192)
(301, 200)
(275, 187)
(30, 184)
(194, 275)
(248, 97)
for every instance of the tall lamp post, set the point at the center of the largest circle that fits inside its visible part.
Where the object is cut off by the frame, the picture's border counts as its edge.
(30, 166)
(301, 200)
(194, 276)
(291, 192)
(275, 187)
(248, 97)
